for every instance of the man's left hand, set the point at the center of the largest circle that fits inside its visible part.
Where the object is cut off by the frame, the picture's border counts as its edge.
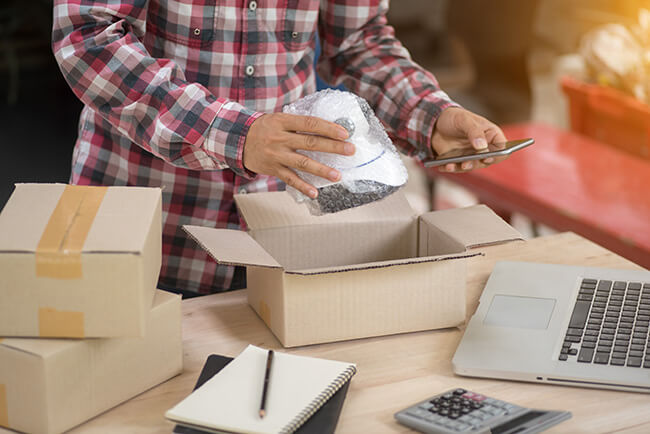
(457, 128)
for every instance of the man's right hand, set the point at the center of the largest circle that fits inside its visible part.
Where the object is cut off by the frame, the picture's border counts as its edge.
(272, 142)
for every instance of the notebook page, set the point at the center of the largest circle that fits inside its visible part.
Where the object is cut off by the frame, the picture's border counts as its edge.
(230, 400)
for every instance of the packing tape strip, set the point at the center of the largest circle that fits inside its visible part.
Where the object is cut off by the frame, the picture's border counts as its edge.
(54, 323)
(58, 254)
(4, 411)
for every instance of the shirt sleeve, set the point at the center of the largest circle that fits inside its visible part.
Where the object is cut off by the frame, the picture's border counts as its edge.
(98, 46)
(360, 51)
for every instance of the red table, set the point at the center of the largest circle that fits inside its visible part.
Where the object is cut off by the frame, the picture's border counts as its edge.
(571, 183)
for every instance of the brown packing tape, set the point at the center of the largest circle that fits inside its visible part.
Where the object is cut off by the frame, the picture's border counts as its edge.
(58, 254)
(53, 323)
(4, 411)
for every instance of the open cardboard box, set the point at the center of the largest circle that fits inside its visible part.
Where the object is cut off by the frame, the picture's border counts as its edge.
(78, 261)
(52, 385)
(373, 270)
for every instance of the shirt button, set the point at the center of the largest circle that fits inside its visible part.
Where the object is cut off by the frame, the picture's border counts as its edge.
(243, 191)
(197, 32)
(252, 5)
(294, 35)
(250, 70)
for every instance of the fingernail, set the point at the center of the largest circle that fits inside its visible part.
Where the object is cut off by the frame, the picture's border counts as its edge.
(343, 133)
(334, 175)
(313, 193)
(489, 160)
(466, 166)
(348, 148)
(480, 143)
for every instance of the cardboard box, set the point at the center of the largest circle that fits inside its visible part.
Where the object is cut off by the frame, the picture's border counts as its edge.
(79, 261)
(52, 385)
(374, 270)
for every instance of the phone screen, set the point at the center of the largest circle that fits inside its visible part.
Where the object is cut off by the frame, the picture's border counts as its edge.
(466, 154)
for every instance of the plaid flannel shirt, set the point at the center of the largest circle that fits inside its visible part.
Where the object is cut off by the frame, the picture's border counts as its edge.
(171, 88)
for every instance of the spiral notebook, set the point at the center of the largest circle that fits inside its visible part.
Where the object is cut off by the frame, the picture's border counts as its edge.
(230, 400)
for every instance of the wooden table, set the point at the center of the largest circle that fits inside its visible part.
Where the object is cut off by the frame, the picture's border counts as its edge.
(393, 371)
(571, 183)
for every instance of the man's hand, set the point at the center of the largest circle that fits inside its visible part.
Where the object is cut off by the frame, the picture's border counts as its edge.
(457, 128)
(273, 139)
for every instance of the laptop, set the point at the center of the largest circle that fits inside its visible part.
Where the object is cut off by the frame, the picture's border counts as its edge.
(559, 324)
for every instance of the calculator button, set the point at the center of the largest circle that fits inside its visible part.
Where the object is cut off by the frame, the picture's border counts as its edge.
(499, 412)
(510, 407)
(482, 415)
(432, 417)
(459, 392)
(418, 412)
(457, 426)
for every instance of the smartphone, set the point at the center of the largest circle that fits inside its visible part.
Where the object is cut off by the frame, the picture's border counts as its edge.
(493, 150)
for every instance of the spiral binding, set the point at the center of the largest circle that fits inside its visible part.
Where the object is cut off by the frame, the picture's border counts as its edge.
(321, 399)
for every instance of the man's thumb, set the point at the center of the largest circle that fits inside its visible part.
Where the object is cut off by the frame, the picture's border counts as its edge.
(475, 134)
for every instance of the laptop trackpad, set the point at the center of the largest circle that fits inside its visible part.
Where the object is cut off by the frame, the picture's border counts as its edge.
(520, 312)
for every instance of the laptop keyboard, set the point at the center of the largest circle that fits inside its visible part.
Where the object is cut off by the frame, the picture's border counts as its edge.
(609, 324)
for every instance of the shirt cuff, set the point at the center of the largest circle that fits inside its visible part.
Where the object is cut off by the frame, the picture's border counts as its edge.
(227, 135)
(422, 121)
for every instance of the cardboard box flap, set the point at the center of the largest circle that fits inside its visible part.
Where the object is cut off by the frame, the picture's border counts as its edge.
(278, 209)
(232, 247)
(381, 264)
(123, 219)
(37, 347)
(120, 223)
(473, 226)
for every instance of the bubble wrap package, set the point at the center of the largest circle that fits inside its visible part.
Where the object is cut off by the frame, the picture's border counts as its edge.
(372, 173)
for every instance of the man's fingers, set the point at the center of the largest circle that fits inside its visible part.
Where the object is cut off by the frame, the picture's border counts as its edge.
(293, 180)
(310, 142)
(496, 136)
(465, 166)
(314, 125)
(474, 131)
(306, 164)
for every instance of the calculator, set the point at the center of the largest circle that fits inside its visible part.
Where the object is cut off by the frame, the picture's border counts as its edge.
(460, 410)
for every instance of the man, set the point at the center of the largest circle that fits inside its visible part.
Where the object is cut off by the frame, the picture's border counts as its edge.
(187, 94)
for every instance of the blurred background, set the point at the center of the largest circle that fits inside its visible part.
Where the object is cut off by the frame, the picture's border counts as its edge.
(503, 59)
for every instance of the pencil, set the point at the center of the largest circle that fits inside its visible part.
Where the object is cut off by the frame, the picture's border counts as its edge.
(267, 377)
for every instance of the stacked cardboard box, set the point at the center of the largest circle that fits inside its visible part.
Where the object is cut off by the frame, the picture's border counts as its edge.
(83, 325)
